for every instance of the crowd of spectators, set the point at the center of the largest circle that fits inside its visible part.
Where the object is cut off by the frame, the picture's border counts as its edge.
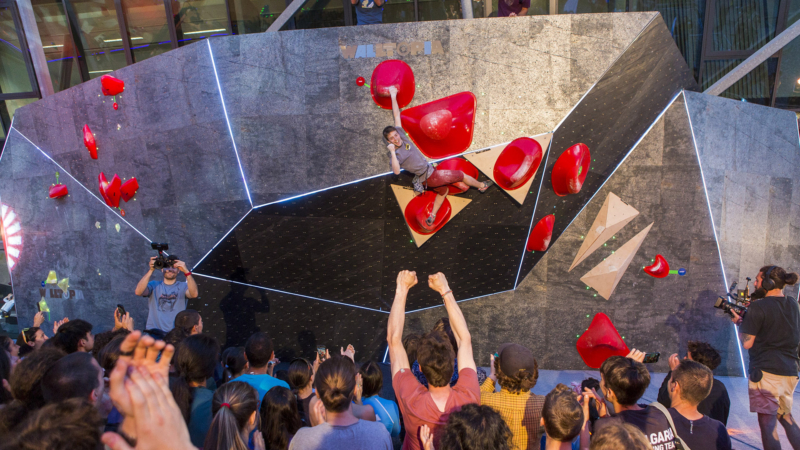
(126, 389)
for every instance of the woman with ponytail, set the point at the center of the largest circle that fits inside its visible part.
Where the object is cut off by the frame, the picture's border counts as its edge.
(335, 382)
(235, 417)
(234, 363)
(301, 379)
(770, 331)
(279, 418)
(195, 360)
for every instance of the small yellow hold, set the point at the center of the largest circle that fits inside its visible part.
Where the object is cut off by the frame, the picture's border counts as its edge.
(117, 227)
(52, 278)
(97, 225)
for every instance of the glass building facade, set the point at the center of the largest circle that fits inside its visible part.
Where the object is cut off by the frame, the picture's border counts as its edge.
(83, 39)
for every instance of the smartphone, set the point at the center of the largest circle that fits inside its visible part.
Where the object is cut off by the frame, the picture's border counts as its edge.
(321, 350)
(39, 306)
(651, 357)
(121, 310)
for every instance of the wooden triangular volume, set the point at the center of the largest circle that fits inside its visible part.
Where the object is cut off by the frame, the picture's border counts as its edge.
(613, 216)
(484, 161)
(404, 195)
(605, 276)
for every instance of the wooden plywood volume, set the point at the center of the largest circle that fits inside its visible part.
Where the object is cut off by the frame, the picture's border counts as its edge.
(605, 276)
(484, 161)
(404, 195)
(613, 216)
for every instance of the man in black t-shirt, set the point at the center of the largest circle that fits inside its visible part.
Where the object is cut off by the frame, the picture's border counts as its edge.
(690, 382)
(717, 404)
(771, 333)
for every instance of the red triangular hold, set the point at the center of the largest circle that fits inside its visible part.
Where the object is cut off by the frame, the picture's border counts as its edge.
(570, 170)
(600, 342)
(129, 188)
(58, 191)
(89, 142)
(541, 234)
(443, 127)
(113, 192)
(111, 85)
(103, 185)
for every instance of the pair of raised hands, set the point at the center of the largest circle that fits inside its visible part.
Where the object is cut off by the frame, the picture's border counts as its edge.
(407, 279)
(38, 320)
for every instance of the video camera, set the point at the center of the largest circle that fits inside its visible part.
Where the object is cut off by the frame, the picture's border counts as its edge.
(162, 260)
(738, 305)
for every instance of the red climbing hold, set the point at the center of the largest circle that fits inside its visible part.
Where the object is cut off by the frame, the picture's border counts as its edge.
(392, 72)
(517, 163)
(659, 269)
(600, 342)
(116, 106)
(541, 234)
(110, 190)
(122, 212)
(360, 81)
(570, 170)
(443, 127)
(458, 164)
(89, 142)
(111, 85)
(129, 188)
(58, 191)
(419, 209)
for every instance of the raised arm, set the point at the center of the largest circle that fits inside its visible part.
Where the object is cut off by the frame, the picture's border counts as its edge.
(191, 286)
(457, 322)
(397, 317)
(395, 106)
(141, 287)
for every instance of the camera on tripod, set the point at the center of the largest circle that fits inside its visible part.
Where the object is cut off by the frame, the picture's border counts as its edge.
(162, 261)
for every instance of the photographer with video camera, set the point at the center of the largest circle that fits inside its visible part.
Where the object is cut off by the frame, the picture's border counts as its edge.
(167, 297)
(770, 331)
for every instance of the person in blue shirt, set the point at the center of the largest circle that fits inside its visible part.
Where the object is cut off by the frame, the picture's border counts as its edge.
(260, 354)
(386, 411)
(369, 12)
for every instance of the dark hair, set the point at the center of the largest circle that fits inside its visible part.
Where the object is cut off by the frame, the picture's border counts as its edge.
(5, 374)
(779, 276)
(705, 354)
(26, 386)
(240, 400)
(69, 425)
(73, 376)
(299, 375)
(436, 358)
(104, 338)
(258, 349)
(475, 427)
(109, 354)
(233, 362)
(388, 130)
(562, 414)
(372, 378)
(176, 336)
(186, 320)
(626, 378)
(280, 419)
(410, 344)
(617, 435)
(522, 381)
(335, 382)
(695, 380)
(5, 342)
(195, 360)
(25, 336)
(69, 335)
(443, 325)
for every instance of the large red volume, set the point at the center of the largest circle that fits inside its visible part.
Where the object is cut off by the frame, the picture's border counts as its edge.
(419, 209)
(111, 85)
(600, 342)
(541, 234)
(659, 269)
(458, 164)
(129, 188)
(110, 190)
(570, 170)
(443, 127)
(89, 142)
(392, 72)
(58, 191)
(517, 163)
(103, 184)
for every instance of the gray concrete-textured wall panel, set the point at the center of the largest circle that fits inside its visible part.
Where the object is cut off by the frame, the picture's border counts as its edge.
(750, 155)
(301, 123)
(551, 307)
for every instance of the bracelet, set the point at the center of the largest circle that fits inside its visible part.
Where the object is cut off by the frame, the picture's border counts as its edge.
(448, 292)
(188, 274)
